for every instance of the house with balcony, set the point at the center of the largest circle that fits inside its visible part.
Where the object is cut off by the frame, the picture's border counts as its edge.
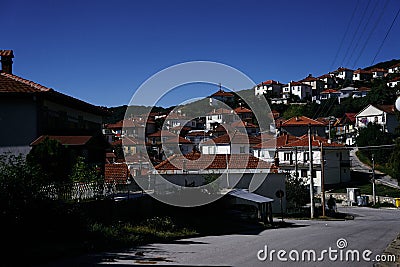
(383, 115)
(219, 116)
(267, 150)
(316, 84)
(223, 96)
(329, 81)
(345, 130)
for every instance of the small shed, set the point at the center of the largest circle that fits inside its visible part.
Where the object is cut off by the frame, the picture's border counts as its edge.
(263, 204)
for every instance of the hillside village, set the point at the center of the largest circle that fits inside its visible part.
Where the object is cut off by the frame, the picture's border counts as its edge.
(142, 145)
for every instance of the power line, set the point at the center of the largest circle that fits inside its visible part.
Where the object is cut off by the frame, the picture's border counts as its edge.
(345, 34)
(387, 34)
(362, 34)
(371, 32)
(356, 32)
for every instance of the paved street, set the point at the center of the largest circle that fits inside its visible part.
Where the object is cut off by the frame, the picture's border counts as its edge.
(371, 229)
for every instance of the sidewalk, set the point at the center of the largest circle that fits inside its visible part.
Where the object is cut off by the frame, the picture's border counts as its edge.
(392, 249)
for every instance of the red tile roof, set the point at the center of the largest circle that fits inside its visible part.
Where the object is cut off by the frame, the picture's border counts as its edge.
(395, 79)
(280, 141)
(268, 82)
(363, 89)
(330, 91)
(237, 138)
(198, 133)
(378, 70)
(301, 121)
(315, 141)
(222, 93)
(239, 110)
(241, 124)
(360, 71)
(395, 66)
(64, 140)
(309, 79)
(12, 84)
(116, 173)
(299, 84)
(196, 161)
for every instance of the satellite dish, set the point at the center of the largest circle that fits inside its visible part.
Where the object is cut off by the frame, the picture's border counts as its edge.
(397, 104)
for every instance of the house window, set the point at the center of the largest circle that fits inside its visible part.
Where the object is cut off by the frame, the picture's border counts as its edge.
(376, 119)
(242, 151)
(303, 173)
(306, 156)
(383, 118)
(287, 157)
(211, 150)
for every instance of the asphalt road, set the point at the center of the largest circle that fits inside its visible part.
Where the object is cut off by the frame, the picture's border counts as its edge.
(372, 229)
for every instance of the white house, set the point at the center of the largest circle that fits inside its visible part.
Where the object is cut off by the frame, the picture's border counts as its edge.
(394, 82)
(234, 143)
(329, 93)
(294, 160)
(329, 81)
(270, 87)
(378, 73)
(383, 115)
(267, 150)
(361, 92)
(299, 89)
(219, 116)
(362, 75)
(344, 73)
(395, 68)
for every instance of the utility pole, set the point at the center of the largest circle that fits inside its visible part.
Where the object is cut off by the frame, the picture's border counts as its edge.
(322, 180)
(296, 169)
(373, 179)
(310, 158)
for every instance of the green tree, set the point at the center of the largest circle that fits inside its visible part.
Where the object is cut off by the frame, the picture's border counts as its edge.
(297, 194)
(83, 173)
(372, 135)
(53, 159)
(394, 161)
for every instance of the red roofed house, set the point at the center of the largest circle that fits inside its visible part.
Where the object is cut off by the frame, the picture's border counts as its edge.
(316, 84)
(298, 126)
(362, 75)
(233, 143)
(344, 73)
(166, 143)
(329, 93)
(378, 73)
(234, 171)
(294, 159)
(222, 96)
(29, 110)
(394, 82)
(267, 150)
(299, 89)
(345, 129)
(394, 69)
(218, 116)
(244, 113)
(271, 88)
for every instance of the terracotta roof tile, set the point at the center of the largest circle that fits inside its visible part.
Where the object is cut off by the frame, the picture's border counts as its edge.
(315, 140)
(222, 93)
(6, 53)
(301, 121)
(280, 141)
(237, 138)
(116, 173)
(239, 110)
(196, 161)
(386, 108)
(330, 91)
(64, 140)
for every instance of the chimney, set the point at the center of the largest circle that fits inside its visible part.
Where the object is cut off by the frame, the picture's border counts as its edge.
(6, 61)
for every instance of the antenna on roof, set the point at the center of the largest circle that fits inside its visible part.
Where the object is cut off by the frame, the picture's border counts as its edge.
(220, 87)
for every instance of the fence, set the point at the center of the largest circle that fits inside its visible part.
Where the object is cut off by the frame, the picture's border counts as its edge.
(85, 191)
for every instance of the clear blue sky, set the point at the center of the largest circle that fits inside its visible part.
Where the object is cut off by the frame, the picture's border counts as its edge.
(101, 51)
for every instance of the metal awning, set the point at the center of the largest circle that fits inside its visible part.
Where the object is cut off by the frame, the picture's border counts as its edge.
(245, 194)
